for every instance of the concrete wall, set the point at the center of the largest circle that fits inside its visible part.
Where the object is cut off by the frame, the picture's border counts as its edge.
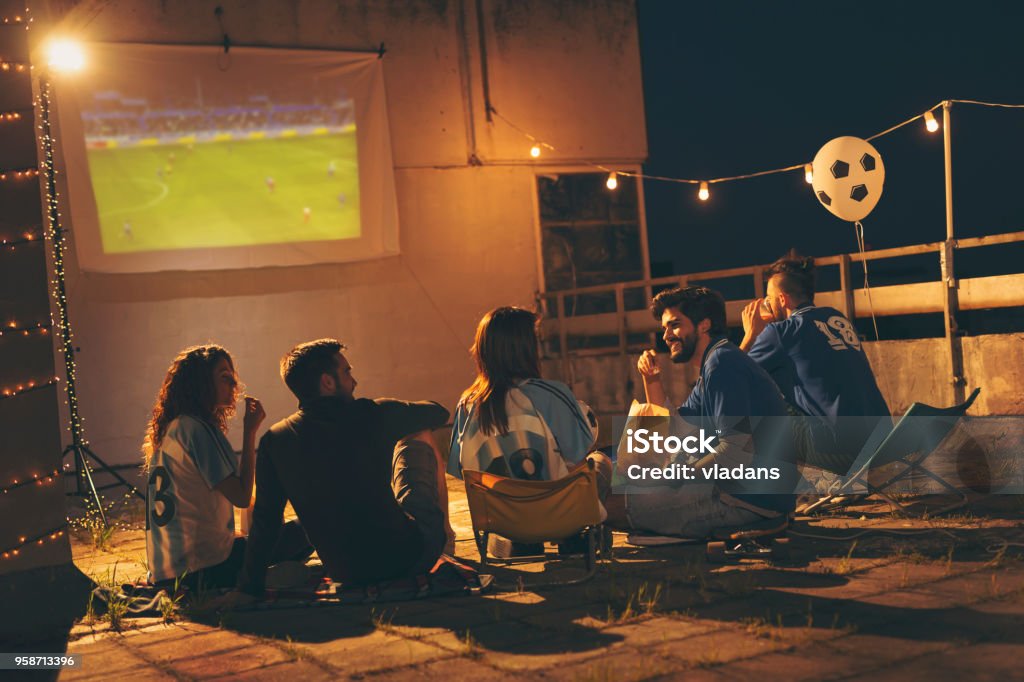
(567, 71)
(28, 511)
(909, 371)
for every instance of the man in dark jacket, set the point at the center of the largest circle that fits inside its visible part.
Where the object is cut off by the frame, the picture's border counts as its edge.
(363, 476)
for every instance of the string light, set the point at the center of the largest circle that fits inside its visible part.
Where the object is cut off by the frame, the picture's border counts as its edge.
(27, 387)
(15, 329)
(19, 19)
(17, 67)
(27, 237)
(808, 173)
(19, 174)
(6, 116)
(49, 536)
(612, 182)
(928, 116)
(33, 480)
(703, 193)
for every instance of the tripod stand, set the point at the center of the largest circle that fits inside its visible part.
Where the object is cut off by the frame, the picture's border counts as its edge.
(84, 483)
(85, 486)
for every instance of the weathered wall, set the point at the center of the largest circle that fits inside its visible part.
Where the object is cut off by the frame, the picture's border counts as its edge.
(567, 71)
(26, 512)
(908, 371)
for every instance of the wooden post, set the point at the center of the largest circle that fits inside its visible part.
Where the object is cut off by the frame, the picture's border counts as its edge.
(950, 287)
(758, 273)
(849, 307)
(951, 305)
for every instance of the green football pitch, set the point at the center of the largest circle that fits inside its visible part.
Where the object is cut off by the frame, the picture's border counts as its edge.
(227, 193)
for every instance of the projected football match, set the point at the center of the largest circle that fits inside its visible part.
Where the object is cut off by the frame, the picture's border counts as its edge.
(186, 160)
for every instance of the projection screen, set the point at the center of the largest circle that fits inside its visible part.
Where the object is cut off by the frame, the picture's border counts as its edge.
(186, 158)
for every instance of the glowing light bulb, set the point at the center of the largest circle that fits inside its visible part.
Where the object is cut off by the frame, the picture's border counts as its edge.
(612, 182)
(535, 151)
(703, 193)
(808, 173)
(929, 122)
(65, 56)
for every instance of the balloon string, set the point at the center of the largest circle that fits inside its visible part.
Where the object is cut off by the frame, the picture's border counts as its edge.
(858, 231)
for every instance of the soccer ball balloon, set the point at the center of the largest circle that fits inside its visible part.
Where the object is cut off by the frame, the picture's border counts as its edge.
(848, 175)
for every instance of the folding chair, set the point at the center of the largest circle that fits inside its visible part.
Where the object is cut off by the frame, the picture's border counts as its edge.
(536, 511)
(916, 436)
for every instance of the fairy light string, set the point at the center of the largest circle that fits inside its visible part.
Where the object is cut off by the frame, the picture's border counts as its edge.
(51, 535)
(29, 237)
(56, 234)
(537, 145)
(16, 329)
(35, 480)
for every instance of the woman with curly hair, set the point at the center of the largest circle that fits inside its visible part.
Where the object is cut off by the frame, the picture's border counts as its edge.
(194, 478)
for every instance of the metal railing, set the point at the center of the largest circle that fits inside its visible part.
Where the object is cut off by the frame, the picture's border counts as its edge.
(947, 295)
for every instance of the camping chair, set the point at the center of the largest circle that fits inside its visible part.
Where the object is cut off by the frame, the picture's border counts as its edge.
(536, 511)
(916, 436)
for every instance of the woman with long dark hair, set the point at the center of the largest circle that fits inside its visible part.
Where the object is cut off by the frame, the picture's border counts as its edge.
(194, 478)
(510, 421)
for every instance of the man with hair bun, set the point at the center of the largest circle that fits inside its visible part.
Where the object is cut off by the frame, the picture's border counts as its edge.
(815, 356)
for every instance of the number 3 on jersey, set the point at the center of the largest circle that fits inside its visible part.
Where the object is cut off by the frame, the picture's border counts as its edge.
(159, 482)
(847, 334)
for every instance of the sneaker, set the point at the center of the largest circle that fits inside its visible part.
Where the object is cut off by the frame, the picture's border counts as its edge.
(503, 548)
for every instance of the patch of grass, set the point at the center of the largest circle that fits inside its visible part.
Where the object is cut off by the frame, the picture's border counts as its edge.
(117, 602)
(100, 534)
(470, 647)
(762, 628)
(638, 603)
(845, 565)
(382, 621)
(170, 604)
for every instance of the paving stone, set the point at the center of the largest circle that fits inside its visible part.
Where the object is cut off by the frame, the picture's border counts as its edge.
(177, 632)
(460, 669)
(294, 671)
(715, 648)
(810, 665)
(657, 631)
(500, 636)
(216, 664)
(624, 666)
(979, 663)
(371, 652)
(103, 659)
(158, 645)
(550, 651)
(310, 625)
(913, 599)
(865, 652)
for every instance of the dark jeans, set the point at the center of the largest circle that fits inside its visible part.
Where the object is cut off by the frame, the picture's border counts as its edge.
(414, 482)
(292, 545)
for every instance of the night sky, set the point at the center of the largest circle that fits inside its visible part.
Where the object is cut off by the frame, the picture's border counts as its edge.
(736, 87)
